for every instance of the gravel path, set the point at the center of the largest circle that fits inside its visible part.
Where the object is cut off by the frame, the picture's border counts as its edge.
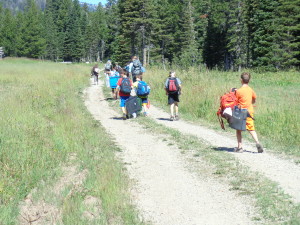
(164, 191)
(282, 171)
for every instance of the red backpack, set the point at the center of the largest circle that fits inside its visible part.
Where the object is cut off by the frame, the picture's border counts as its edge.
(173, 86)
(228, 100)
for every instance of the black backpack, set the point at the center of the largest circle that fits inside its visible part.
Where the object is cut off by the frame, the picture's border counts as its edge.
(136, 67)
(125, 86)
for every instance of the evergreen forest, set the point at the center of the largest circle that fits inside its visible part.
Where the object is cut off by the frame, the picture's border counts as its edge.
(222, 34)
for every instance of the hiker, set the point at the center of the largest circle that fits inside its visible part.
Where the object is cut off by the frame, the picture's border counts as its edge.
(107, 71)
(117, 67)
(135, 68)
(246, 97)
(173, 90)
(95, 73)
(124, 86)
(142, 90)
(113, 79)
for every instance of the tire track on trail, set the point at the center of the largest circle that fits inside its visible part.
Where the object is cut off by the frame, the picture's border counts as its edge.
(282, 171)
(164, 191)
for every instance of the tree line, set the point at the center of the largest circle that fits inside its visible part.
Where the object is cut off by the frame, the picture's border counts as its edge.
(222, 34)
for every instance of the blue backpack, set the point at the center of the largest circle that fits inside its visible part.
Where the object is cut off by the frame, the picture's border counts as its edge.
(143, 89)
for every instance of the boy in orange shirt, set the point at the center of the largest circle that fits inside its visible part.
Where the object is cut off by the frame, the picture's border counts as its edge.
(246, 98)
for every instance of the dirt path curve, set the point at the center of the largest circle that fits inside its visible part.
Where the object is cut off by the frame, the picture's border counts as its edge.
(282, 171)
(165, 192)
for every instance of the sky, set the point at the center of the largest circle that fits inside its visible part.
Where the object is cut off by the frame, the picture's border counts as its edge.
(94, 1)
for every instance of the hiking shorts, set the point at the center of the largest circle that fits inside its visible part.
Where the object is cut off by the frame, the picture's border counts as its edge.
(250, 123)
(172, 98)
(123, 99)
(144, 100)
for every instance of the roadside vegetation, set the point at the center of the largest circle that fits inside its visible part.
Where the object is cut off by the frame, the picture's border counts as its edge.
(44, 122)
(276, 113)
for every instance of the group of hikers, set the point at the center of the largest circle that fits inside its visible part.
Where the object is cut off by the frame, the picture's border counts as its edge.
(127, 83)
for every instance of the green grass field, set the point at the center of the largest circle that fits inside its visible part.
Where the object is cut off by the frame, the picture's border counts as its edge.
(276, 112)
(43, 120)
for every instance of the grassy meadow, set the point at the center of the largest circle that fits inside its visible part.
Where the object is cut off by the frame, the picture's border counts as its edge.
(44, 121)
(277, 119)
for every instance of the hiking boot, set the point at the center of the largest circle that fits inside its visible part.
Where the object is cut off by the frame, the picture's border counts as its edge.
(176, 117)
(238, 150)
(124, 116)
(172, 118)
(259, 148)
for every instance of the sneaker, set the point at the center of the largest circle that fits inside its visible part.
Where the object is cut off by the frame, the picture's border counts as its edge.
(172, 118)
(124, 116)
(259, 148)
(127, 116)
(134, 115)
(176, 117)
(145, 114)
(238, 150)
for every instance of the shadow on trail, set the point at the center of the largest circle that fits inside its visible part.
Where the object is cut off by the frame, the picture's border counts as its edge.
(108, 99)
(165, 119)
(225, 149)
(117, 118)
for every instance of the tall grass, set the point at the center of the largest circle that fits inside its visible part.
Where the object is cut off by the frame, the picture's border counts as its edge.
(277, 119)
(43, 120)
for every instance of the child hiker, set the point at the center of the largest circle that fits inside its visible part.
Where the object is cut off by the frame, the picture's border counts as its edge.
(245, 99)
(173, 90)
(142, 90)
(124, 86)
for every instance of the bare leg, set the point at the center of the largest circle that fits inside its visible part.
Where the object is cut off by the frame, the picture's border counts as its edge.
(172, 109)
(254, 136)
(239, 138)
(176, 108)
(124, 110)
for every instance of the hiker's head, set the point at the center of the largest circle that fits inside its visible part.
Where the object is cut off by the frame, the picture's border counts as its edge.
(172, 74)
(122, 72)
(245, 77)
(139, 77)
(134, 57)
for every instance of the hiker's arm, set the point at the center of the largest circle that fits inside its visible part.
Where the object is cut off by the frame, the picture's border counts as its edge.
(180, 88)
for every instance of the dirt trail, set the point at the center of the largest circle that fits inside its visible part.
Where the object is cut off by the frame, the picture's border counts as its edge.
(282, 171)
(165, 192)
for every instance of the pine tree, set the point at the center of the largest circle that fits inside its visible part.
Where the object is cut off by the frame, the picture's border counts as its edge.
(8, 33)
(31, 42)
(52, 51)
(262, 23)
(189, 49)
(237, 35)
(289, 32)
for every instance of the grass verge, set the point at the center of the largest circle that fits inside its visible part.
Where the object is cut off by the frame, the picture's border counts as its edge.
(276, 111)
(43, 120)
